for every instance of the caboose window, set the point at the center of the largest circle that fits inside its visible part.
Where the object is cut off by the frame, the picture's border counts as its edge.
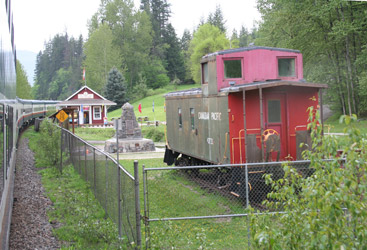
(179, 118)
(286, 67)
(205, 76)
(192, 116)
(232, 69)
(274, 111)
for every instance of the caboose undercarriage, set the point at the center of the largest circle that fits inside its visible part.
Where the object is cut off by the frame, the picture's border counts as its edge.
(242, 182)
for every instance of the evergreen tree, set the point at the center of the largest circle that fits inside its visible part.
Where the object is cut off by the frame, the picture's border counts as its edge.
(173, 56)
(115, 89)
(244, 39)
(234, 39)
(145, 6)
(217, 19)
(61, 52)
(185, 40)
(160, 14)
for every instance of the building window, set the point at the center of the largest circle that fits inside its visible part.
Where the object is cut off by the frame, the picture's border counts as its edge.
(286, 67)
(205, 73)
(274, 111)
(179, 118)
(97, 113)
(232, 69)
(192, 116)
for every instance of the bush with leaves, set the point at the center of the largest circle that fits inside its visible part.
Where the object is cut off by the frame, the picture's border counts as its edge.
(155, 134)
(326, 210)
(49, 144)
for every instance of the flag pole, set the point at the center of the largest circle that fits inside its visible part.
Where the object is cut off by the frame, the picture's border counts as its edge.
(154, 114)
(84, 78)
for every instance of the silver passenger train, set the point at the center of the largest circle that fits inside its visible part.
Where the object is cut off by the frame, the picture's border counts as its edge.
(15, 114)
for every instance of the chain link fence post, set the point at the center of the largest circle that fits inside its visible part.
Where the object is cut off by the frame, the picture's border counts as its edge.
(119, 196)
(85, 162)
(146, 215)
(94, 171)
(61, 151)
(247, 205)
(137, 205)
(106, 193)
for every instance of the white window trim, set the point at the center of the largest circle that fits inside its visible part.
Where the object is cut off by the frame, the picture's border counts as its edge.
(94, 113)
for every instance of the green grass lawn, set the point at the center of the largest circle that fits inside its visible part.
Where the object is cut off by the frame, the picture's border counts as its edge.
(147, 104)
(95, 134)
(334, 126)
(172, 194)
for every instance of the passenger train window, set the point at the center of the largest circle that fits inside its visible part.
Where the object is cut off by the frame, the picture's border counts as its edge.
(192, 116)
(179, 118)
(205, 77)
(232, 69)
(274, 111)
(286, 67)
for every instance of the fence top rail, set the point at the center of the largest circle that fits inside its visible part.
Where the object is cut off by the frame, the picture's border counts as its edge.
(100, 151)
(238, 165)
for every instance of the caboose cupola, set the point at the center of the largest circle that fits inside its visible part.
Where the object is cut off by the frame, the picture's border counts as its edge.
(249, 64)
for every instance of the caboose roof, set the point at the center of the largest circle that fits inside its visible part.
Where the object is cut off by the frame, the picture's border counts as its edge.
(249, 86)
(229, 51)
(275, 83)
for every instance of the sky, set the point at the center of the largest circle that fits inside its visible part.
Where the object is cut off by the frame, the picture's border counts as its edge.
(37, 21)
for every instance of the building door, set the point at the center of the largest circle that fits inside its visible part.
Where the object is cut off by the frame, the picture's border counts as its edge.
(86, 117)
(275, 117)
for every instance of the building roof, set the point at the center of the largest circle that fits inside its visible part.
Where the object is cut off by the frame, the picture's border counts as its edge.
(86, 87)
(77, 102)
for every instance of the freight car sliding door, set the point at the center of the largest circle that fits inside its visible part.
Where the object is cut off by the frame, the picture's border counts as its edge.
(275, 117)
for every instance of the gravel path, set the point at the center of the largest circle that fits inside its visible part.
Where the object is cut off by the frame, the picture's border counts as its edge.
(30, 228)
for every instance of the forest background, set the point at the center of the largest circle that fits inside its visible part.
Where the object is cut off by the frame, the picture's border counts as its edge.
(142, 44)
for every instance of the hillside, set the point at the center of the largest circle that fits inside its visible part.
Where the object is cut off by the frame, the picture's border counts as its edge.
(147, 104)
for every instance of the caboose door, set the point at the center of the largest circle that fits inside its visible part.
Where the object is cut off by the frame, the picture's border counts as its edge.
(275, 118)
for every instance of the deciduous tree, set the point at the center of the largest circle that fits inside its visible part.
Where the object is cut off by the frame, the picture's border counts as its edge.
(23, 86)
(101, 54)
(206, 39)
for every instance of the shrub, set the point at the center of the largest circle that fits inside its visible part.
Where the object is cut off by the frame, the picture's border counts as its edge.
(326, 210)
(49, 145)
(155, 134)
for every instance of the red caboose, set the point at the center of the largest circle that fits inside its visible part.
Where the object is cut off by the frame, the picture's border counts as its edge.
(251, 107)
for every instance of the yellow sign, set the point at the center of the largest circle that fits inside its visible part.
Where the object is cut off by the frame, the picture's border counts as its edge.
(62, 116)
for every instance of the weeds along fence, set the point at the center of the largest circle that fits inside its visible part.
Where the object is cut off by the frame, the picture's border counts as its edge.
(214, 198)
(115, 188)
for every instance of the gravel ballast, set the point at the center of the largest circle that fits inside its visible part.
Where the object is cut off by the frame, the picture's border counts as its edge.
(30, 226)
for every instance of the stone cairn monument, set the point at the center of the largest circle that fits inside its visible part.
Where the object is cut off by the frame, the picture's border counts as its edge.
(128, 134)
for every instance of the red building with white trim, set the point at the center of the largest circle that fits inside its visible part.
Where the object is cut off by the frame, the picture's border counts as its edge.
(91, 106)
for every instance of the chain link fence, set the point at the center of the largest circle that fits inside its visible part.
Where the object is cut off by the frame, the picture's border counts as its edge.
(215, 198)
(115, 188)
